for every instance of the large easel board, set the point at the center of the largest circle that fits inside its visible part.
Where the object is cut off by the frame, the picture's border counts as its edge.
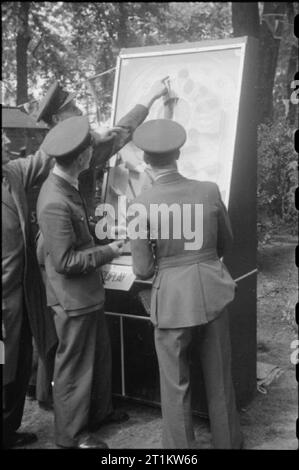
(206, 78)
(216, 83)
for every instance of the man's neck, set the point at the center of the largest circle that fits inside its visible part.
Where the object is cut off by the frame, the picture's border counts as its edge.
(69, 174)
(157, 172)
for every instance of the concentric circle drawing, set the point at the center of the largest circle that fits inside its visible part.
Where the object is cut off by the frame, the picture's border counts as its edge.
(206, 86)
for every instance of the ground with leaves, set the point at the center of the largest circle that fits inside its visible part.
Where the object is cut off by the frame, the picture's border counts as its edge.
(269, 421)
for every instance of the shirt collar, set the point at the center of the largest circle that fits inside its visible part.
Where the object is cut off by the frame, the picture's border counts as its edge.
(162, 172)
(72, 181)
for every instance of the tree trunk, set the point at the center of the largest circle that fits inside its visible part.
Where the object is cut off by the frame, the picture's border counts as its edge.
(245, 19)
(123, 33)
(23, 39)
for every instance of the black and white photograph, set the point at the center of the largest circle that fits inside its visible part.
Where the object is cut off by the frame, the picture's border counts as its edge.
(149, 229)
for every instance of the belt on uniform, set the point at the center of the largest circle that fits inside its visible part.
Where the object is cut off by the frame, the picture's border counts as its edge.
(183, 259)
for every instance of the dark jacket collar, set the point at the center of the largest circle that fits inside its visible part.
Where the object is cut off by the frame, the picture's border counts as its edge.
(66, 187)
(169, 178)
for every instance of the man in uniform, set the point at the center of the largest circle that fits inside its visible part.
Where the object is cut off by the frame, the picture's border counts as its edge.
(191, 289)
(74, 290)
(22, 291)
(56, 106)
(23, 308)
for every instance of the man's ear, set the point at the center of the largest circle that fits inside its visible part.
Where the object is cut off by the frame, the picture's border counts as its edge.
(145, 158)
(55, 118)
(80, 160)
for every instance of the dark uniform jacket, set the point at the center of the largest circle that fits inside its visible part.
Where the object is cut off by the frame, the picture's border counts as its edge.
(22, 290)
(190, 287)
(71, 257)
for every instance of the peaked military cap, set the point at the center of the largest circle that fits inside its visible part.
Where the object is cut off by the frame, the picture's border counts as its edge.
(55, 99)
(69, 136)
(159, 136)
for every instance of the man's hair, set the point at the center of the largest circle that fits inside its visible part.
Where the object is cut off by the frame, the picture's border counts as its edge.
(68, 160)
(161, 160)
(49, 118)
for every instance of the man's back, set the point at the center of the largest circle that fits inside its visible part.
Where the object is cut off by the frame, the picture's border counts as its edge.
(191, 288)
(192, 198)
(186, 258)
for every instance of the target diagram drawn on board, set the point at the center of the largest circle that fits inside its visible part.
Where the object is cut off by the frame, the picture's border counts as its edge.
(205, 91)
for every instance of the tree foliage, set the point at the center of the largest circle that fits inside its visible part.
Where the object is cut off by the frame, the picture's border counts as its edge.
(271, 23)
(277, 178)
(73, 41)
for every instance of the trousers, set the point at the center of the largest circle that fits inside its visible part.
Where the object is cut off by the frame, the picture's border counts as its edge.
(14, 393)
(213, 352)
(82, 392)
(42, 375)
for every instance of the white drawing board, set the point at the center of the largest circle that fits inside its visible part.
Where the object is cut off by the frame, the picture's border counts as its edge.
(207, 82)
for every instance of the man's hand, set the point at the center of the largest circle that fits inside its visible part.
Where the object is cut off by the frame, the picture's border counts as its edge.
(157, 90)
(104, 135)
(119, 232)
(117, 247)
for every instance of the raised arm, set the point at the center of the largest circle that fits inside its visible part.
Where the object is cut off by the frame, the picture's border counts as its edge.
(32, 170)
(116, 138)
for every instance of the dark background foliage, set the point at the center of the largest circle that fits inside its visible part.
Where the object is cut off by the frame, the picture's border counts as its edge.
(73, 41)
